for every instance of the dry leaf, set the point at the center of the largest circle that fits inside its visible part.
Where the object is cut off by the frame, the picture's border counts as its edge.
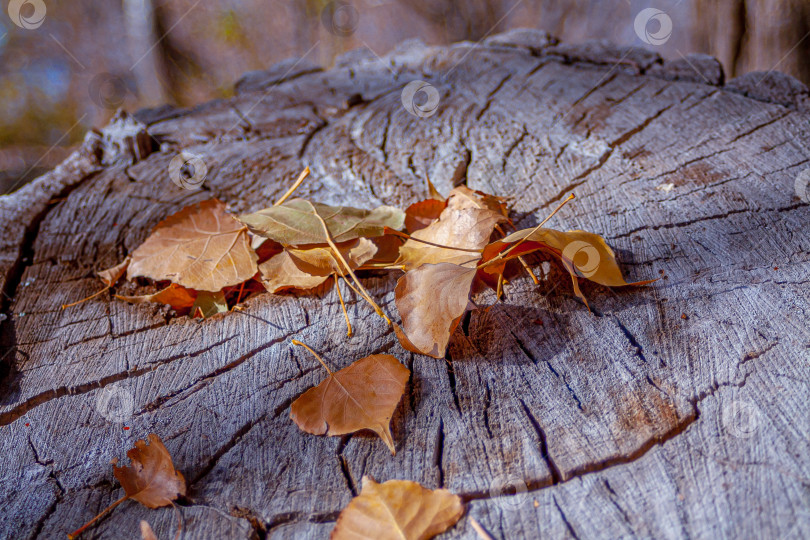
(463, 197)
(179, 298)
(151, 479)
(397, 510)
(146, 531)
(582, 253)
(363, 395)
(431, 301)
(208, 304)
(307, 268)
(421, 214)
(110, 276)
(466, 223)
(201, 247)
(296, 222)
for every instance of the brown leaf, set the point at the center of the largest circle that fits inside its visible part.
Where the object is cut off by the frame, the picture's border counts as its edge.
(363, 395)
(397, 510)
(207, 304)
(295, 268)
(297, 222)
(179, 298)
(201, 247)
(421, 214)
(151, 479)
(466, 223)
(431, 301)
(110, 276)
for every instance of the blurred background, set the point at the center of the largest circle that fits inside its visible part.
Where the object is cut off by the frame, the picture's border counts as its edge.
(65, 66)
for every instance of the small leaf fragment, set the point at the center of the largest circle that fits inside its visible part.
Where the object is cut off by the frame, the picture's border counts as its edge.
(363, 395)
(208, 304)
(110, 276)
(397, 510)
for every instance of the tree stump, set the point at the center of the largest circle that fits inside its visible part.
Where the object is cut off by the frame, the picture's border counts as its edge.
(669, 411)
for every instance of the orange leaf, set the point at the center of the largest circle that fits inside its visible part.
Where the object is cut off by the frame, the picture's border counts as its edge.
(363, 395)
(201, 247)
(179, 298)
(397, 510)
(421, 214)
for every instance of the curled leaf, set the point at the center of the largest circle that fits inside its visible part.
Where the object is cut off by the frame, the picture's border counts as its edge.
(397, 510)
(110, 276)
(179, 298)
(363, 395)
(306, 268)
(201, 247)
(583, 254)
(151, 479)
(296, 222)
(431, 301)
(421, 214)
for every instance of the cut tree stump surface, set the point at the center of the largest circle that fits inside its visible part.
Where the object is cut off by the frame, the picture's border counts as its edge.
(677, 410)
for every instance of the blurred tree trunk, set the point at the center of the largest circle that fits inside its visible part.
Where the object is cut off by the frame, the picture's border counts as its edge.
(144, 44)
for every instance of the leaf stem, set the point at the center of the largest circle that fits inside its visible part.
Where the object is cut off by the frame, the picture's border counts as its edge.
(75, 534)
(304, 345)
(76, 303)
(343, 306)
(297, 183)
(409, 237)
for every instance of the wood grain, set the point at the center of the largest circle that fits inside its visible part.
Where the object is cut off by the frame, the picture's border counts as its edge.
(678, 410)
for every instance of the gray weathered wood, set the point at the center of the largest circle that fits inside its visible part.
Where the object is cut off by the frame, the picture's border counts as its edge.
(678, 410)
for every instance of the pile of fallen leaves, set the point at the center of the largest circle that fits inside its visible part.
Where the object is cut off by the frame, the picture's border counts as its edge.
(204, 260)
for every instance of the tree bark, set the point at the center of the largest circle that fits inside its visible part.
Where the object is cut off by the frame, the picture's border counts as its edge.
(677, 410)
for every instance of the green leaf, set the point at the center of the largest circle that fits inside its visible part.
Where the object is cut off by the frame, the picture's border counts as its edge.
(209, 303)
(296, 222)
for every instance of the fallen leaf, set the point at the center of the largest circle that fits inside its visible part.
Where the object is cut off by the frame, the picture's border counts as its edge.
(296, 222)
(421, 214)
(201, 247)
(431, 301)
(110, 276)
(462, 225)
(151, 479)
(208, 304)
(296, 268)
(397, 510)
(179, 298)
(363, 395)
(583, 254)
